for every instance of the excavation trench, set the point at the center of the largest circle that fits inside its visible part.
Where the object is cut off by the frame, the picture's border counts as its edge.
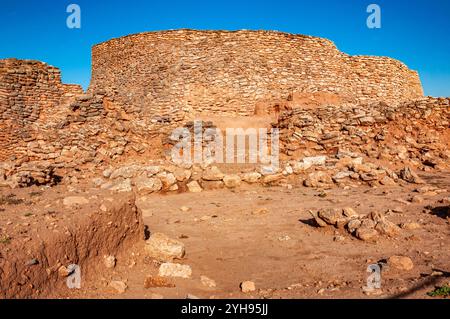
(36, 269)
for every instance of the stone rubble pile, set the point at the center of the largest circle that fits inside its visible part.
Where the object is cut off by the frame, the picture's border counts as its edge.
(344, 169)
(364, 227)
(28, 174)
(415, 133)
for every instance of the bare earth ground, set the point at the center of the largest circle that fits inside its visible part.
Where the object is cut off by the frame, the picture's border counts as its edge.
(229, 240)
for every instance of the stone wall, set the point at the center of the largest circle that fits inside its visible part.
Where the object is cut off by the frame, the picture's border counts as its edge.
(29, 91)
(166, 75)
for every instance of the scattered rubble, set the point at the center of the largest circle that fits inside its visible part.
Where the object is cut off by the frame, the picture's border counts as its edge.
(175, 270)
(248, 286)
(163, 248)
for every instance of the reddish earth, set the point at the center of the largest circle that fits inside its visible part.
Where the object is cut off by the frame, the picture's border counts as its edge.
(264, 235)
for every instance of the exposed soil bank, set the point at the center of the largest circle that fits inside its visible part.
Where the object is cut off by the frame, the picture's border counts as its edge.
(34, 269)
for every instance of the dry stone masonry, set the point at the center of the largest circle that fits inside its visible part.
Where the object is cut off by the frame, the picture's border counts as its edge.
(168, 74)
(146, 84)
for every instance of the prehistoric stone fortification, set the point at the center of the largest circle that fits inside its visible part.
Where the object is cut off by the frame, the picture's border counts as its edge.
(29, 90)
(144, 85)
(166, 74)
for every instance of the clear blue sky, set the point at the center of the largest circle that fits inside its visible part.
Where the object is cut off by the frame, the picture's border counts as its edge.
(416, 32)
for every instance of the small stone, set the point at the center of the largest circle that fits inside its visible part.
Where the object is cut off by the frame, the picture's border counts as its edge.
(410, 226)
(318, 220)
(408, 175)
(146, 185)
(316, 179)
(401, 262)
(109, 261)
(168, 180)
(387, 228)
(232, 181)
(194, 187)
(366, 234)
(212, 174)
(353, 225)
(248, 286)
(175, 270)
(349, 212)
(417, 199)
(300, 167)
(157, 282)
(376, 216)
(251, 178)
(120, 186)
(260, 211)
(207, 282)
(185, 209)
(387, 181)
(163, 248)
(212, 185)
(272, 179)
(316, 160)
(107, 172)
(330, 216)
(119, 286)
(63, 271)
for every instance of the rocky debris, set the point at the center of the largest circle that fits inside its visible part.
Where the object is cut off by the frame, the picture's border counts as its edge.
(232, 181)
(63, 272)
(410, 226)
(75, 200)
(317, 179)
(247, 286)
(157, 282)
(207, 282)
(161, 247)
(28, 174)
(168, 181)
(147, 185)
(251, 177)
(119, 286)
(260, 211)
(185, 209)
(388, 228)
(408, 175)
(119, 185)
(109, 261)
(365, 227)
(401, 262)
(330, 216)
(366, 233)
(212, 174)
(175, 270)
(194, 187)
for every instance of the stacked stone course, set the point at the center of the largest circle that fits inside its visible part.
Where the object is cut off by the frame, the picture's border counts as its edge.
(173, 73)
(146, 84)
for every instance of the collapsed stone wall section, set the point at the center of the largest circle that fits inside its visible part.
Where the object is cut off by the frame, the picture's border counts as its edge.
(29, 91)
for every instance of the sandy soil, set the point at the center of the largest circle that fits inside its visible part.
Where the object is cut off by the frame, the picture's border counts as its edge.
(266, 235)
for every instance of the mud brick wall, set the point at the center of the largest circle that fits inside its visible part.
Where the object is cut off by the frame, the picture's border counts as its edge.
(165, 75)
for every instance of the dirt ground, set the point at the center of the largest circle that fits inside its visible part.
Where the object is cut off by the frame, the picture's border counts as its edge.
(267, 236)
